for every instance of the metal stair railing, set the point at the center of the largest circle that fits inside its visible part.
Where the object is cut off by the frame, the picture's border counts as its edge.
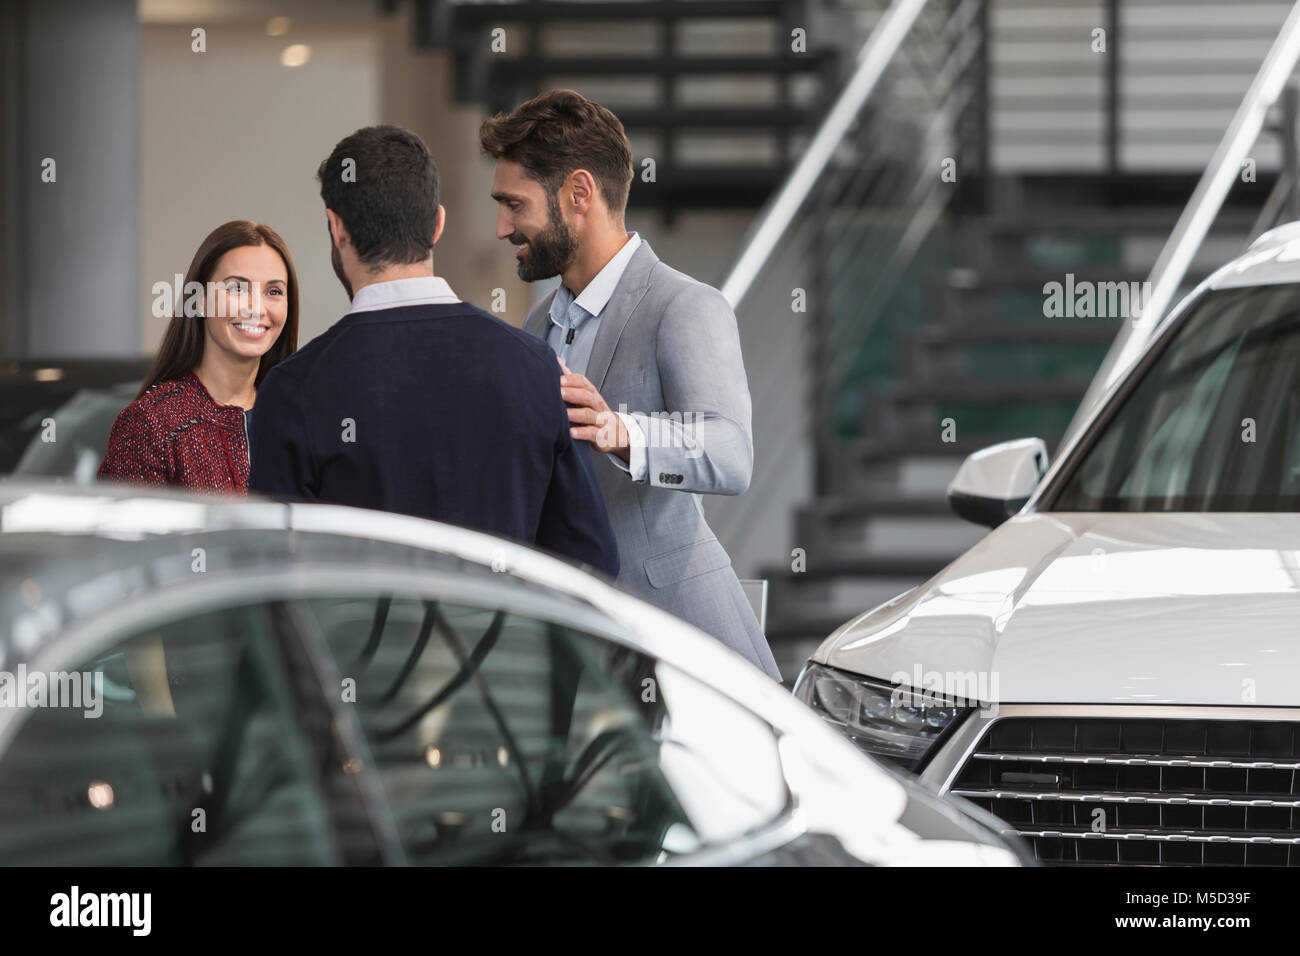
(852, 216)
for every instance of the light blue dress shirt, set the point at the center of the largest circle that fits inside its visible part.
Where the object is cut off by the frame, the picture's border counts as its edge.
(574, 321)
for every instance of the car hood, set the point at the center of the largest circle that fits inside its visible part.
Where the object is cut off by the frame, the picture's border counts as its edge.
(1099, 608)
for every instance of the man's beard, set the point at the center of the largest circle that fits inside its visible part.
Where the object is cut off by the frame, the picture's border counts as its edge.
(337, 262)
(550, 251)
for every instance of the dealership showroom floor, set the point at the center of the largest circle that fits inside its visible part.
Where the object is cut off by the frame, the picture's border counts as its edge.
(650, 434)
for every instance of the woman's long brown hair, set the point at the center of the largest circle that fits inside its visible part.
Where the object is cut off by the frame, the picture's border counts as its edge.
(182, 344)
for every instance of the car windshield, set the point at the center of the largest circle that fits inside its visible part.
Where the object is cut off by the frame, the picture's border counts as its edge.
(1214, 422)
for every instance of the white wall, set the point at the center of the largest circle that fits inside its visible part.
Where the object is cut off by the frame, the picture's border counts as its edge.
(232, 134)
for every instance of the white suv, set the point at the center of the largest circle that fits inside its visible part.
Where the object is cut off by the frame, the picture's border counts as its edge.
(1115, 670)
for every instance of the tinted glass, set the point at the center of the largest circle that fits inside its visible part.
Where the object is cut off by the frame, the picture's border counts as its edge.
(82, 419)
(1213, 424)
(503, 739)
(196, 757)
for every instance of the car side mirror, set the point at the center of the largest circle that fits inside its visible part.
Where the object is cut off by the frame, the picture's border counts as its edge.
(994, 483)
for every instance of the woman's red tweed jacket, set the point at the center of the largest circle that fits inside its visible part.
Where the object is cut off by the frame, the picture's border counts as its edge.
(176, 434)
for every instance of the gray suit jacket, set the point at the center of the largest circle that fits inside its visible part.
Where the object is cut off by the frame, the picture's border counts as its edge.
(669, 344)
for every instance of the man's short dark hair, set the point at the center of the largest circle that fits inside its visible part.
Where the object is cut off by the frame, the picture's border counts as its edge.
(559, 131)
(387, 196)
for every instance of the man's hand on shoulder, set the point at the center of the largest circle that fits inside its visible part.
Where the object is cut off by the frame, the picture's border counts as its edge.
(593, 420)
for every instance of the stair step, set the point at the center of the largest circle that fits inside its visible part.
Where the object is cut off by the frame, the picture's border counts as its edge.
(692, 177)
(1034, 277)
(775, 64)
(931, 446)
(895, 536)
(595, 12)
(1019, 306)
(735, 117)
(975, 391)
(884, 502)
(1092, 223)
(1062, 332)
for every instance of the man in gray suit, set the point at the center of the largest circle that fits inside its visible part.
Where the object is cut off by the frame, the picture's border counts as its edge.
(653, 371)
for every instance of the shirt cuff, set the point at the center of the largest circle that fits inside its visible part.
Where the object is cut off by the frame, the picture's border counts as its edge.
(636, 466)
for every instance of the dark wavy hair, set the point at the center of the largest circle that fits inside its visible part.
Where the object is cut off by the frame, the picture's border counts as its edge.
(387, 196)
(559, 131)
(182, 345)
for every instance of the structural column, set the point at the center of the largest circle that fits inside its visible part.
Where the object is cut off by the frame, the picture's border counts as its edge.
(69, 122)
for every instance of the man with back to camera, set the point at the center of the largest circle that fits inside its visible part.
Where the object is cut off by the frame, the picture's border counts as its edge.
(632, 333)
(417, 402)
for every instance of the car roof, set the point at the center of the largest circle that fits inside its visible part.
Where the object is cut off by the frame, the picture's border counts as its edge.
(57, 537)
(51, 531)
(107, 512)
(1272, 259)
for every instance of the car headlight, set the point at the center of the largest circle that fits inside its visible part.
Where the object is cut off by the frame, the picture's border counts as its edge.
(894, 723)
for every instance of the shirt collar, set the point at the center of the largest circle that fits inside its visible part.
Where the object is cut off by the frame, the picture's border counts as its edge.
(599, 290)
(419, 290)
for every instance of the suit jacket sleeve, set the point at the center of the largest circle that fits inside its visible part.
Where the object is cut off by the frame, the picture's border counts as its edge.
(281, 463)
(574, 522)
(136, 450)
(702, 442)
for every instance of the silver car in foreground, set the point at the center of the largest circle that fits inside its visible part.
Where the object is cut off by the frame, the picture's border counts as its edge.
(203, 680)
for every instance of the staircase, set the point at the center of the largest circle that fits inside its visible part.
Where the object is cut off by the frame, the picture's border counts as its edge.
(716, 92)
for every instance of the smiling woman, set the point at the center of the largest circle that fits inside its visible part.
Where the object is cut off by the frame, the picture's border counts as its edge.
(188, 425)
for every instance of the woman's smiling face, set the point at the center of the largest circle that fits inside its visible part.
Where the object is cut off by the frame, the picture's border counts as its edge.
(247, 301)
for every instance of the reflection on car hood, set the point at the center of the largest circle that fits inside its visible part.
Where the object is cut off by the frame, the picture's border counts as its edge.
(1099, 608)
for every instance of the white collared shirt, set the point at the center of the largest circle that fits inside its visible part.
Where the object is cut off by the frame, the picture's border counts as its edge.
(599, 290)
(418, 290)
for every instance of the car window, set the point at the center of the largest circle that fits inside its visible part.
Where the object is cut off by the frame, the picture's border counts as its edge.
(504, 738)
(82, 420)
(195, 756)
(1214, 422)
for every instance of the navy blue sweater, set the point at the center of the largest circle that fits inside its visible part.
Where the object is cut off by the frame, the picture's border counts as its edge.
(440, 411)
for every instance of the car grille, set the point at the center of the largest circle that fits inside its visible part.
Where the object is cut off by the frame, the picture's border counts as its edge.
(1142, 791)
